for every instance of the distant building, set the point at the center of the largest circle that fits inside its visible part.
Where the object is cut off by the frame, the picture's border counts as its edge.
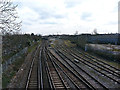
(105, 39)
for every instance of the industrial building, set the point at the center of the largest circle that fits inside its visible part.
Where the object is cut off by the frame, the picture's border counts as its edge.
(105, 39)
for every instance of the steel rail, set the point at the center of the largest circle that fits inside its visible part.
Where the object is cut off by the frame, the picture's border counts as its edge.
(31, 68)
(50, 58)
(93, 57)
(40, 69)
(53, 60)
(81, 78)
(104, 67)
(85, 72)
(78, 57)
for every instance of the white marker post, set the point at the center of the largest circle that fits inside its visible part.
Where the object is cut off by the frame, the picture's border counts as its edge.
(119, 22)
(119, 17)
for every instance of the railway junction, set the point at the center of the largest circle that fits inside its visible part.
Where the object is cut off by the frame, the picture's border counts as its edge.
(55, 66)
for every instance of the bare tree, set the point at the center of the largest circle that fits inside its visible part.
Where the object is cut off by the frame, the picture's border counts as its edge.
(76, 33)
(9, 22)
(95, 31)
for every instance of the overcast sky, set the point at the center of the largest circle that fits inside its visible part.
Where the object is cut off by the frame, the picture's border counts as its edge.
(68, 16)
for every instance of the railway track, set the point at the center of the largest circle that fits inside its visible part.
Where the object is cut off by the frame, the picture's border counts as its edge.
(57, 72)
(98, 60)
(98, 67)
(91, 66)
(75, 79)
(56, 79)
(33, 80)
(46, 80)
(40, 71)
(85, 76)
(55, 69)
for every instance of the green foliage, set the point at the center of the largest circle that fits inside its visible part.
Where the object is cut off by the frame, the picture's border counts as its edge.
(69, 44)
(12, 44)
(79, 40)
(28, 43)
(31, 48)
(11, 72)
(6, 57)
(5, 80)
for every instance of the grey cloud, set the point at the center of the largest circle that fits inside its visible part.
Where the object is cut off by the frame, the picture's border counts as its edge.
(70, 3)
(85, 16)
(45, 13)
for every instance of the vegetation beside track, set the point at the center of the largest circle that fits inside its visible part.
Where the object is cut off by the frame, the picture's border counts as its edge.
(31, 48)
(69, 44)
(13, 44)
(82, 40)
(14, 67)
(107, 60)
(10, 73)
